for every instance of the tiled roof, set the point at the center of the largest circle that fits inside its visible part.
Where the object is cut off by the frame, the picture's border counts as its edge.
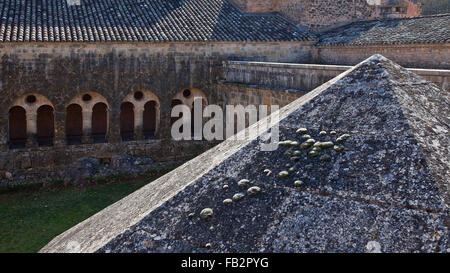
(429, 29)
(139, 20)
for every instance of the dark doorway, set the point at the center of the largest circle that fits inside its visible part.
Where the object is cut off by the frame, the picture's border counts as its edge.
(45, 125)
(74, 124)
(149, 126)
(127, 121)
(17, 127)
(99, 122)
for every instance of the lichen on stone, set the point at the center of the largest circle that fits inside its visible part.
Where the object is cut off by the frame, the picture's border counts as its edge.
(294, 143)
(295, 159)
(285, 143)
(238, 196)
(342, 138)
(324, 145)
(339, 148)
(254, 191)
(206, 214)
(283, 174)
(243, 183)
(306, 137)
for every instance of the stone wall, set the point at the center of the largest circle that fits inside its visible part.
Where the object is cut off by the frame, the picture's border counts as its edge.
(241, 94)
(302, 78)
(417, 56)
(324, 14)
(60, 72)
(299, 78)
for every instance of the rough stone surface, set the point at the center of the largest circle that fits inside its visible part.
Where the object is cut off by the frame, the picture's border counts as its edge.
(389, 186)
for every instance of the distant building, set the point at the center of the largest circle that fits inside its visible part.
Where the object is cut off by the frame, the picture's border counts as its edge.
(324, 14)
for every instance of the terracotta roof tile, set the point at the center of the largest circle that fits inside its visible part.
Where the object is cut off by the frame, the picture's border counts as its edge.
(427, 29)
(139, 21)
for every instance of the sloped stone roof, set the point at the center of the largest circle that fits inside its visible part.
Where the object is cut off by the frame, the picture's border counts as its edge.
(418, 30)
(139, 20)
(389, 187)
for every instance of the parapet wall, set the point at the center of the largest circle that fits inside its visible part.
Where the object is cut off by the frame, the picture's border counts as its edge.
(430, 56)
(304, 77)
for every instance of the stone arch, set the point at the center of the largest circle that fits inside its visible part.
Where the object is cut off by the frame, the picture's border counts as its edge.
(87, 101)
(146, 113)
(45, 123)
(99, 122)
(187, 97)
(127, 121)
(17, 127)
(31, 103)
(74, 124)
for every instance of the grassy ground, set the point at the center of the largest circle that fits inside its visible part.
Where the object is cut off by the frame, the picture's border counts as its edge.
(29, 220)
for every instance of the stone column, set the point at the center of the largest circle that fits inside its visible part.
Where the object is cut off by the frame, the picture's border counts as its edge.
(87, 126)
(114, 127)
(139, 123)
(60, 132)
(31, 130)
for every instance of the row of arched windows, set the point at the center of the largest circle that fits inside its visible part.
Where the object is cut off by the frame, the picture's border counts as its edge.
(31, 117)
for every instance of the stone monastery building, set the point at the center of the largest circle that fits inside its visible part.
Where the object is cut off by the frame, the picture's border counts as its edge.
(96, 79)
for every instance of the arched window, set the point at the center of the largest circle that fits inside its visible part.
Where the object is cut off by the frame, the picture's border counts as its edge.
(127, 121)
(188, 97)
(17, 127)
(149, 126)
(146, 113)
(45, 125)
(74, 124)
(99, 122)
(94, 122)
